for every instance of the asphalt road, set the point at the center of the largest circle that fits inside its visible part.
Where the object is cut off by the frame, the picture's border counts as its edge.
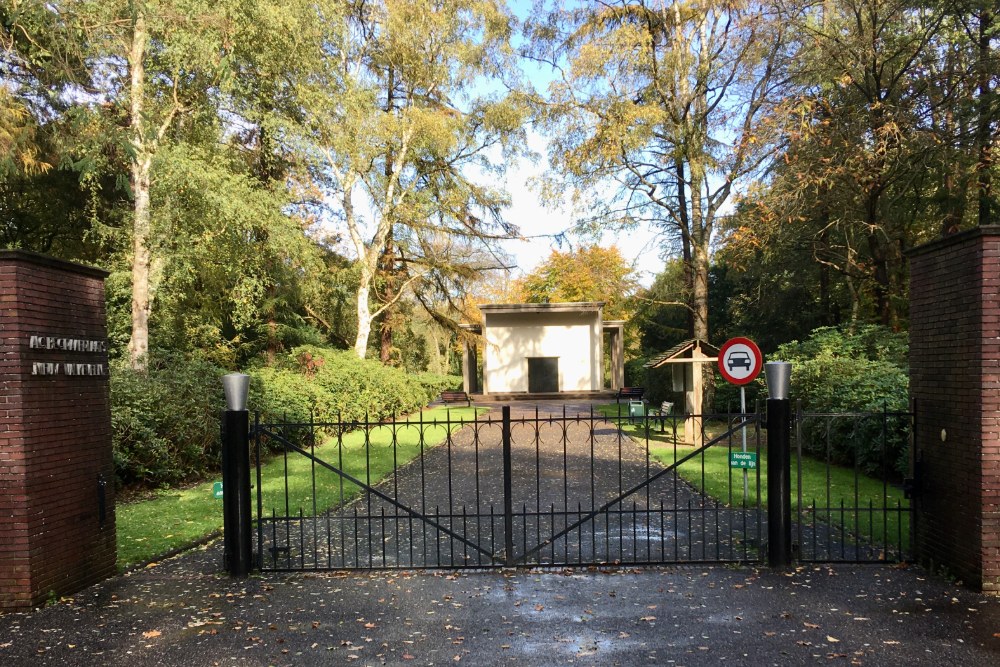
(185, 612)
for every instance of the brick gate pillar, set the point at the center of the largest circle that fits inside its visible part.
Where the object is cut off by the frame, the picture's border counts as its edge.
(955, 380)
(57, 520)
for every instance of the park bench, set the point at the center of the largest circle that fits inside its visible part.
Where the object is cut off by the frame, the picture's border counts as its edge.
(455, 397)
(662, 413)
(630, 394)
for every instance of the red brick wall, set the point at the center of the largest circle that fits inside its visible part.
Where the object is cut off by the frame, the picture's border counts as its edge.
(55, 433)
(955, 380)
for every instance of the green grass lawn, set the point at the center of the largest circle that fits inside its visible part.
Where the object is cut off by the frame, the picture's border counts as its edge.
(173, 518)
(823, 486)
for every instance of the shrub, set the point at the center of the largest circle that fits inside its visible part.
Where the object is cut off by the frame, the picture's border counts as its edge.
(837, 371)
(165, 421)
(330, 385)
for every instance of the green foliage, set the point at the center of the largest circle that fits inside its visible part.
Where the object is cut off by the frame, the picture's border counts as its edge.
(590, 273)
(165, 421)
(334, 385)
(871, 342)
(840, 371)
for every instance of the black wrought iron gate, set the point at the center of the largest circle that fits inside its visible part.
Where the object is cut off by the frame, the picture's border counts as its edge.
(533, 488)
(498, 490)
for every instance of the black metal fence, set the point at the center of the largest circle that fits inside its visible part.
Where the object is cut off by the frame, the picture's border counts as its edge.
(850, 471)
(535, 488)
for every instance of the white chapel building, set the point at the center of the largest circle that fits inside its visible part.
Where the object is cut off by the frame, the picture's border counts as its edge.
(544, 348)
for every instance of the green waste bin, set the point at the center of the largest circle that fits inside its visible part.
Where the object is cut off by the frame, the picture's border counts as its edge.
(636, 409)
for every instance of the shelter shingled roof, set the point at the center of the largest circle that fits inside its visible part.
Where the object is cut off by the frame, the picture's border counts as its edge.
(678, 350)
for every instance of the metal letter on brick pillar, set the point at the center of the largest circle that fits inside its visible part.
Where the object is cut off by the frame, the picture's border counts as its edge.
(236, 517)
(779, 482)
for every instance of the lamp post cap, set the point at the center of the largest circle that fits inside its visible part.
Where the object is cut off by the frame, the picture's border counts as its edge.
(779, 377)
(236, 387)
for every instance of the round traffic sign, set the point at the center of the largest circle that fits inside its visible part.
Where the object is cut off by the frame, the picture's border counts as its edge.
(740, 360)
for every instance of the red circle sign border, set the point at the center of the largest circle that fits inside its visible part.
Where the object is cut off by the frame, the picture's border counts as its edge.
(758, 358)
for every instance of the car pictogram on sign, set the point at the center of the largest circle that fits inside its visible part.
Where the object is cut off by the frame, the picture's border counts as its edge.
(739, 359)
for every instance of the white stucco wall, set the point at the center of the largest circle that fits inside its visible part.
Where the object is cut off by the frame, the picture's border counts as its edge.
(511, 338)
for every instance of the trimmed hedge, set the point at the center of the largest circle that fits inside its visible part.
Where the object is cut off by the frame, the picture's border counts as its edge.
(334, 385)
(165, 421)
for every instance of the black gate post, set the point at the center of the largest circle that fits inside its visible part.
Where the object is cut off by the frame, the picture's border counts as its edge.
(508, 500)
(779, 489)
(236, 514)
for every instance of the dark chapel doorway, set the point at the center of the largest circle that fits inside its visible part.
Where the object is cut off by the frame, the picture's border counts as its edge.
(543, 375)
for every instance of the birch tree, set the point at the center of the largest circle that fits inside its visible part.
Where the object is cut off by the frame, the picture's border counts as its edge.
(407, 144)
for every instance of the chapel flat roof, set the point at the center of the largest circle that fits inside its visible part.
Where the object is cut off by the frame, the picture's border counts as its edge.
(511, 308)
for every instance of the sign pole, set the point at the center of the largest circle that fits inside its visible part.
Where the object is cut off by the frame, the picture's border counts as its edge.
(743, 418)
(740, 361)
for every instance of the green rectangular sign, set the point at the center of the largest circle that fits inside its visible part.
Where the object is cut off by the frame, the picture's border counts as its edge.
(217, 490)
(743, 460)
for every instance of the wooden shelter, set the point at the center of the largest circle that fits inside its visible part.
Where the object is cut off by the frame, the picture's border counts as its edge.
(686, 363)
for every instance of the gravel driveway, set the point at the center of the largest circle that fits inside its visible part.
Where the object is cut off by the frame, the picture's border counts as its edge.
(571, 474)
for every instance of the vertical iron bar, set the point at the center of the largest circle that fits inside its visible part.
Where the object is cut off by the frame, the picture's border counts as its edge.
(394, 426)
(423, 487)
(382, 531)
(493, 540)
(635, 534)
(663, 555)
(508, 499)
(779, 505)
(357, 556)
(302, 540)
(798, 472)
(260, 492)
(312, 466)
(409, 541)
(236, 503)
(437, 534)
(451, 494)
(552, 529)
(885, 477)
(690, 532)
(593, 488)
(340, 483)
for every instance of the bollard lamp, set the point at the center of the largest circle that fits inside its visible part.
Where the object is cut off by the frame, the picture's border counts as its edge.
(236, 386)
(779, 378)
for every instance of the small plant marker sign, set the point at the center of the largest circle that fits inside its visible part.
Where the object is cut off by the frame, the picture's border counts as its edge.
(217, 490)
(746, 460)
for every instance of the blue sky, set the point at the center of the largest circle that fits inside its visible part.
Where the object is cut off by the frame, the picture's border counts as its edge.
(541, 225)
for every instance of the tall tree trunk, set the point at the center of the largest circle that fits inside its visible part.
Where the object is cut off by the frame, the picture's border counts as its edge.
(138, 345)
(364, 318)
(686, 254)
(387, 262)
(387, 270)
(984, 163)
(700, 260)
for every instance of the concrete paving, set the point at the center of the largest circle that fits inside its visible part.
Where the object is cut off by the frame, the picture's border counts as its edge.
(184, 611)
